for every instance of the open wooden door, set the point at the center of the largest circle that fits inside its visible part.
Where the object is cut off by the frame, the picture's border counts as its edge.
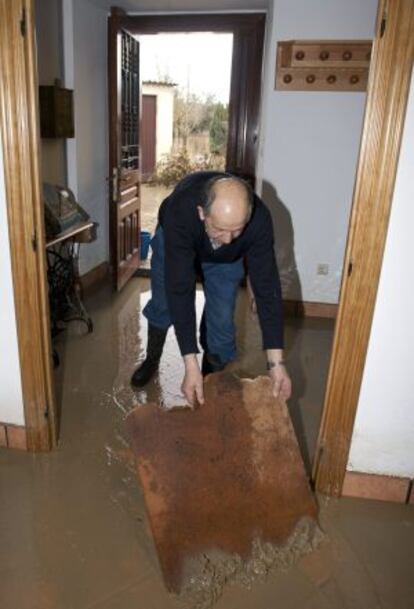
(124, 150)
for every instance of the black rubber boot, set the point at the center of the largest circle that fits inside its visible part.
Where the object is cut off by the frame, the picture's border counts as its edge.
(211, 363)
(156, 341)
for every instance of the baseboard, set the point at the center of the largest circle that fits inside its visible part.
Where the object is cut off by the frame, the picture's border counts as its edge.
(375, 486)
(302, 308)
(95, 276)
(13, 436)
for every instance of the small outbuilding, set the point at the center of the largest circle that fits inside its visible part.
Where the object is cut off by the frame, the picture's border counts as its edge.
(156, 123)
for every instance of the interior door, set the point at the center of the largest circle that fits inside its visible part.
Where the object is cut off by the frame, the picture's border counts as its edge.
(124, 151)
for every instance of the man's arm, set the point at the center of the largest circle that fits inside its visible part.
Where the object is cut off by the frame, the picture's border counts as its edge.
(265, 283)
(282, 385)
(264, 286)
(180, 281)
(192, 385)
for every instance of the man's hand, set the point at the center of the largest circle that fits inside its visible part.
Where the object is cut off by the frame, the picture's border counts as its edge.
(282, 385)
(192, 385)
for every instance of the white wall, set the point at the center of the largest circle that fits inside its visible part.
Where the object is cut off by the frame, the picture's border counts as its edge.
(91, 123)
(164, 117)
(383, 439)
(11, 400)
(309, 146)
(49, 57)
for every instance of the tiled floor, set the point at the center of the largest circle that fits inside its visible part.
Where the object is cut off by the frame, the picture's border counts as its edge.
(73, 531)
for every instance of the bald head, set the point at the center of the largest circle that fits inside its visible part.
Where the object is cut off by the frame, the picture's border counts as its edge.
(227, 209)
(230, 202)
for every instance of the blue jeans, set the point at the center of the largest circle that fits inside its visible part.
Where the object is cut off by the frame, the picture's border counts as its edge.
(220, 281)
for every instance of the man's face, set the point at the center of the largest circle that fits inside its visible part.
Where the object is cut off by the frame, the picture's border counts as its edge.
(229, 213)
(222, 232)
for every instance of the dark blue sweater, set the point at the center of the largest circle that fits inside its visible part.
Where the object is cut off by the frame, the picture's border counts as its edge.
(187, 244)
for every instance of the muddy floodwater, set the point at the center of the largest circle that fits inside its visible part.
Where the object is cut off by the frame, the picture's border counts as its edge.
(73, 527)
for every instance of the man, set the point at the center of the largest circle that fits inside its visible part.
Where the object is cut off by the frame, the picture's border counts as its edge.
(211, 224)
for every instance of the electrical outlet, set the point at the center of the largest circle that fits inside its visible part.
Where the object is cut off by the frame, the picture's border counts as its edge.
(323, 269)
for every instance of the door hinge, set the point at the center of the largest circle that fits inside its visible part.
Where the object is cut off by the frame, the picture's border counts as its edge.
(23, 23)
(383, 24)
(350, 268)
(34, 242)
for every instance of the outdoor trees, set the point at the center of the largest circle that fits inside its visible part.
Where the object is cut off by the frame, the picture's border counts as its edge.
(218, 128)
(189, 116)
(200, 137)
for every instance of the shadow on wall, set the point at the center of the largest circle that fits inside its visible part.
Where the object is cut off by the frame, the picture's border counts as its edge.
(292, 290)
(285, 243)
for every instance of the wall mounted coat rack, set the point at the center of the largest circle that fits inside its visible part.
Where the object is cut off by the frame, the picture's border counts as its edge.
(322, 65)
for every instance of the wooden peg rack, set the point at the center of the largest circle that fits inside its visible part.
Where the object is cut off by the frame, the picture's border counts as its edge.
(322, 65)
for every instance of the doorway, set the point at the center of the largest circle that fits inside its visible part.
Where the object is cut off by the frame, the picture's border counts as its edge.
(124, 31)
(185, 113)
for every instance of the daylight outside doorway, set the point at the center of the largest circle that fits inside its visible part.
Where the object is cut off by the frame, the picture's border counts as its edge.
(185, 105)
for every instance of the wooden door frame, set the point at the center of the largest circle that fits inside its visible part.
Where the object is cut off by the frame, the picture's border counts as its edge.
(388, 90)
(20, 137)
(244, 106)
(387, 95)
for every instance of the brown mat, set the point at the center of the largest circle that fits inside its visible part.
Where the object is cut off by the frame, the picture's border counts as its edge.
(222, 482)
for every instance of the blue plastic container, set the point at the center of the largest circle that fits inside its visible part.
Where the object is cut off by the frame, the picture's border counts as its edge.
(145, 242)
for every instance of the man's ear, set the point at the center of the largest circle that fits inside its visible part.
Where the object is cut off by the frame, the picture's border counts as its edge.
(201, 213)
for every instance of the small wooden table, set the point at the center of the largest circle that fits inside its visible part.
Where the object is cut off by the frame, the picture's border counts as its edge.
(77, 233)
